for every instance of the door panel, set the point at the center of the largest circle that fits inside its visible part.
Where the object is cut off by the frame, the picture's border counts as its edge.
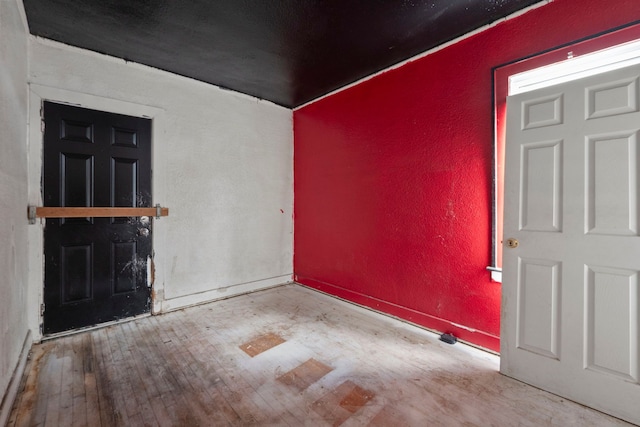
(612, 184)
(95, 268)
(541, 180)
(570, 288)
(538, 307)
(611, 304)
(76, 264)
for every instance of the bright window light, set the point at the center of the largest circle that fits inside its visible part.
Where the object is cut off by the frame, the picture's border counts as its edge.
(575, 68)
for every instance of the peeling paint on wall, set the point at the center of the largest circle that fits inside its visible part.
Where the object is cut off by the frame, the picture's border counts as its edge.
(223, 232)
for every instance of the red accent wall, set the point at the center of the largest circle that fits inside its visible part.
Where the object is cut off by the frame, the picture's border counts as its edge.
(393, 176)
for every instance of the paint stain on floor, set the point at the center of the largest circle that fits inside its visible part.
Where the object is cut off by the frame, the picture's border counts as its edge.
(339, 404)
(305, 374)
(389, 416)
(261, 344)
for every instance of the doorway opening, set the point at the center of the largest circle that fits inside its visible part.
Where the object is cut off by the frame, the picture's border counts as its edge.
(96, 269)
(571, 211)
(626, 39)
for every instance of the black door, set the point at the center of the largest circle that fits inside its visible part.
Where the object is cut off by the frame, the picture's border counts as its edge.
(95, 268)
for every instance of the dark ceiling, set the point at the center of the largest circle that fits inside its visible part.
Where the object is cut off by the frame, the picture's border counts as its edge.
(286, 51)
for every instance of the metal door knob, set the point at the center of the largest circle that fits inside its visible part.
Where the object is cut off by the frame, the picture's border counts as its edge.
(144, 232)
(512, 243)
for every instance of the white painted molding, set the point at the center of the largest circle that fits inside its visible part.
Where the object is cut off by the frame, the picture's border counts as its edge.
(12, 390)
(222, 293)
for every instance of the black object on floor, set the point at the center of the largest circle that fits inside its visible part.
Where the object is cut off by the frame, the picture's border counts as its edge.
(448, 338)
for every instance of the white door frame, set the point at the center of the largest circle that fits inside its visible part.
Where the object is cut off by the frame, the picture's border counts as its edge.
(38, 94)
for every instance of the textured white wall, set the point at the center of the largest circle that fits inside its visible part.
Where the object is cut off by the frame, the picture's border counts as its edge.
(222, 163)
(13, 191)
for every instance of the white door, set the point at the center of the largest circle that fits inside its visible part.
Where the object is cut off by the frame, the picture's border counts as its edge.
(570, 288)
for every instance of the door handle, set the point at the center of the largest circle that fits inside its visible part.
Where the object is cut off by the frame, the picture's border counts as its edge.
(512, 243)
(144, 232)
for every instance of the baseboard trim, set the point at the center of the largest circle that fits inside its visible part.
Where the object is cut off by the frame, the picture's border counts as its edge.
(435, 324)
(14, 384)
(178, 303)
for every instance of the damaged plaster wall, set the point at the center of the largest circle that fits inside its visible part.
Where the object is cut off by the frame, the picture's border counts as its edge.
(222, 164)
(13, 193)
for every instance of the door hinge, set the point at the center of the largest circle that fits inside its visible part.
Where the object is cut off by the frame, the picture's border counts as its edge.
(41, 310)
(42, 126)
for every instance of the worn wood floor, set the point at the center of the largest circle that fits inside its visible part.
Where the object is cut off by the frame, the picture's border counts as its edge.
(287, 356)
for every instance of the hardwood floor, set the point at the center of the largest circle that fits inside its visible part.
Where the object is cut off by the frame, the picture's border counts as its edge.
(286, 356)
